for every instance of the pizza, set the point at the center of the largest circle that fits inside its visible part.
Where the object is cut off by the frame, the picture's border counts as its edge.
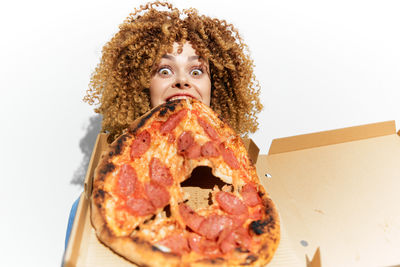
(140, 210)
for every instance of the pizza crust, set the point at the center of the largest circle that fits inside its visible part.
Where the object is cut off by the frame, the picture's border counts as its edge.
(142, 252)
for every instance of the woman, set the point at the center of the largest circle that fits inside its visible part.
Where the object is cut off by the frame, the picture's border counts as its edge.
(121, 82)
(161, 53)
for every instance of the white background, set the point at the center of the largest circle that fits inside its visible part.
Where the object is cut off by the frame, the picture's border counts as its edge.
(321, 65)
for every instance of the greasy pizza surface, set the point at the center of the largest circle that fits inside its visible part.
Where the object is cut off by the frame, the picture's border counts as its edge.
(141, 212)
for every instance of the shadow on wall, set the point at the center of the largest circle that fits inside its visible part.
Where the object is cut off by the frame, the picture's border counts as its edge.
(86, 144)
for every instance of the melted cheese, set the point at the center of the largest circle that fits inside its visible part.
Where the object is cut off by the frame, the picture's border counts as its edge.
(180, 169)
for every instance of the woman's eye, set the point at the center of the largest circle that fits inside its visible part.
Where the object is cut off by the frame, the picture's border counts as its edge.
(196, 72)
(165, 71)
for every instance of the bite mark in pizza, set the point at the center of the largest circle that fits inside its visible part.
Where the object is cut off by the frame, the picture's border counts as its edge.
(140, 210)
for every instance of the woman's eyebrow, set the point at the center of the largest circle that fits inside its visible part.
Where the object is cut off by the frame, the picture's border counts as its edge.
(194, 58)
(168, 57)
(191, 58)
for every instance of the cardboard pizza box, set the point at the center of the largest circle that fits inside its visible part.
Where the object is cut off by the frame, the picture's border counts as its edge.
(337, 193)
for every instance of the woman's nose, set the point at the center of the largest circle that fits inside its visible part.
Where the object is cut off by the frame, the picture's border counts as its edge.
(182, 85)
(182, 82)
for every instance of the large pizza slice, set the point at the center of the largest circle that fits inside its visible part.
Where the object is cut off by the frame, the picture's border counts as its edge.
(141, 212)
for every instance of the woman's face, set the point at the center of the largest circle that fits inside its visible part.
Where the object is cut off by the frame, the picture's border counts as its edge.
(181, 75)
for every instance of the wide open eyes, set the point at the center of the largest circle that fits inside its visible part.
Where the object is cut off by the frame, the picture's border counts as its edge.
(164, 71)
(196, 72)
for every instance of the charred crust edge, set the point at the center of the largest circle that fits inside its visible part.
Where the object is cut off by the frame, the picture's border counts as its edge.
(269, 207)
(216, 261)
(258, 227)
(143, 243)
(250, 259)
(99, 194)
(106, 168)
(119, 145)
(137, 240)
(169, 106)
(154, 248)
(162, 109)
(242, 250)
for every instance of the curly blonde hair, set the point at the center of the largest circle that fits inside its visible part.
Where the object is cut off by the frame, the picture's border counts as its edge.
(120, 83)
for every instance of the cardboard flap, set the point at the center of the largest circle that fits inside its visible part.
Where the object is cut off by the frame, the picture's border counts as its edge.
(76, 241)
(316, 260)
(331, 137)
(99, 146)
(252, 149)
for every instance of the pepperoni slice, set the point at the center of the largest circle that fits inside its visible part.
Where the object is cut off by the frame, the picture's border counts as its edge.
(227, 242)
(210, 131)
(213, 225)
(231, 203)
(157, 194)
(187, 146)
(141, 144)
(233, 239)
(242, 237)
(250, 195)
(172, 121)
(139, 206)
(229, 157)
(176, 242)
(127, 178)
(190, 217)
(193, 152)
(238, 220)
(160, 173)
(210, 248)
(185, 140)
(202, 245)
(194, 241)
(209, 150)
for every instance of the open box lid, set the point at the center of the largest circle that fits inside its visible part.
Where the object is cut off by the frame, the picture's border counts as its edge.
(339, 191)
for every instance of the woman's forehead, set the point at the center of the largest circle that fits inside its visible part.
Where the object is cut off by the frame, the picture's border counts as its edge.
(183, 50)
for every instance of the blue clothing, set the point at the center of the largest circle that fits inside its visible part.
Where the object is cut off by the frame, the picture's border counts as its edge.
(71, 218)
